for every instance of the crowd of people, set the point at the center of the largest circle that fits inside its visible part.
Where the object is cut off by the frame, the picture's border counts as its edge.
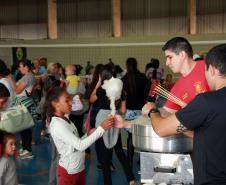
(64, 102)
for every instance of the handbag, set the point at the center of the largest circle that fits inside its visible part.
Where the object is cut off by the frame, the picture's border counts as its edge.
(76, 104)
(29, 103)
(16, 119)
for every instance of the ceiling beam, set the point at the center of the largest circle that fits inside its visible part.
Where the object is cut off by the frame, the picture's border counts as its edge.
(192, 17)
(52, 19)
(116, 18)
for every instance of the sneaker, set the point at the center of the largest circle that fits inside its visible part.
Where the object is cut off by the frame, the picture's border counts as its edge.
(26, 155)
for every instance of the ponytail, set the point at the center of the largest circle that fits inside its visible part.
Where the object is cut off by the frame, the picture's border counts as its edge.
(154, 74)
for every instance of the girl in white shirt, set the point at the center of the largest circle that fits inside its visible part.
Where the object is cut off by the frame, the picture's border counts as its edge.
(71, 166)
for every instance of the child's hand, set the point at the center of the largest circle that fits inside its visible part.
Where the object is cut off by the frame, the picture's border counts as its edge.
(108, 123)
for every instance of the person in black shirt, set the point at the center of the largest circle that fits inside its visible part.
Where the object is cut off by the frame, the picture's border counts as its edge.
(206, 116)
(135, 88)
(112, 140)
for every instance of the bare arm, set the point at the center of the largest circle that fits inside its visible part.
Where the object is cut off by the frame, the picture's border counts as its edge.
(122, 108)
(165, 123)
(166, 126)
(165, 111)
(19, 88)
(93, 96)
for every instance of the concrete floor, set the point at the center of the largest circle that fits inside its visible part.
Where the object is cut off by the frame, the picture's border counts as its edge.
(36, 171)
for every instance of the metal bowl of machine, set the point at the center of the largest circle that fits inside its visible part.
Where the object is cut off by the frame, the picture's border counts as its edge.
(145, 139)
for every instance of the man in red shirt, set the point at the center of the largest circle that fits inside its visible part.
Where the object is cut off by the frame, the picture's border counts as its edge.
(205, 115)
(179, 58)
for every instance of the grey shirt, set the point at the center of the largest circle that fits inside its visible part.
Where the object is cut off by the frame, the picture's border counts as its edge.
(29, 80)
(8, 174)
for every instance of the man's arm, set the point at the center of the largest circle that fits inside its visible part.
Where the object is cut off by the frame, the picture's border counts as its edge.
(166, 126)
(165, 111)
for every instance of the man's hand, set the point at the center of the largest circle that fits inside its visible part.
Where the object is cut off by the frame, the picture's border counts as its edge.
(119, 122)
(147, 107)
(108, 123)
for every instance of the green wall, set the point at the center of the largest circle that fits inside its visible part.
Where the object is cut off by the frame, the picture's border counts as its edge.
(79, 51)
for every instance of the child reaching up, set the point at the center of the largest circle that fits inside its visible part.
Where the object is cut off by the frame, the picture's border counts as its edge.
(8, 174)
(71, 166)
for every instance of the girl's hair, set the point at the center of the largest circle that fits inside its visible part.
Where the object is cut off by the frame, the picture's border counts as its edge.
(132, 71)
(155, 63)
(4, 137)
(97, 71)
(118, 69)
(107, 72)
(52, 95)
(51, 82)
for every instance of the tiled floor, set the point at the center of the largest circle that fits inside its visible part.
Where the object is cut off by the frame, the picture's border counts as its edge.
(35, 171)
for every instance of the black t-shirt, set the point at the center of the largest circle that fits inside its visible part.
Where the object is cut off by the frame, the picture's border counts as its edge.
(136, 100)
(206, 115)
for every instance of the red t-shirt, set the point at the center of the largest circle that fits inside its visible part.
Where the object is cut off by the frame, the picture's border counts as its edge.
(187, 87)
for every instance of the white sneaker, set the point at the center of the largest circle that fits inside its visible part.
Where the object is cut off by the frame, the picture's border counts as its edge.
(26, 155)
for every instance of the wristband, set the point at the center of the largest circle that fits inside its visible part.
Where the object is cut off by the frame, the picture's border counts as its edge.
(153, 110)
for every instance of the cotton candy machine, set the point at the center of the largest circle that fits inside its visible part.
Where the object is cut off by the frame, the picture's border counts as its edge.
(163, 159)
(145, 139)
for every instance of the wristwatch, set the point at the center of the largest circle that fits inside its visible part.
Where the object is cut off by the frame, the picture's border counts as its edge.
(153, 110)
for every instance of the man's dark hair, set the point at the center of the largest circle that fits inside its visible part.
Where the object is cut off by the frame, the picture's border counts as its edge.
(178, 44)
(216, 57)
(4, 92)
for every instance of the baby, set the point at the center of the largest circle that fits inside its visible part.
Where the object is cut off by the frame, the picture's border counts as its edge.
(72, 79)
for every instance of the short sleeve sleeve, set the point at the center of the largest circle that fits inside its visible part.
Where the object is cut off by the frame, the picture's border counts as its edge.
(170, 104)
(25, 79)
(194, 114)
